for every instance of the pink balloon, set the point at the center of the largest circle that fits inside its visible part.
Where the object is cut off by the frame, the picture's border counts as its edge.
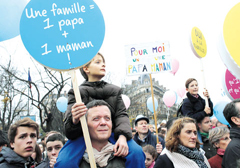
(126, 101)
(181, 91)
(175, 66)
(169, 98)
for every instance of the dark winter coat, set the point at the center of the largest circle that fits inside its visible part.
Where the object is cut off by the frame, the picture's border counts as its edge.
(99, 90)
(44, 163)
(231, 156)
(150, 140)
(113, 162)
(194, 107)
(9, 159)
(210, 151)
(163, 162)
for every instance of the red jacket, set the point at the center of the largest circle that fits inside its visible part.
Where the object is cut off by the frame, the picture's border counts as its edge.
(216, 161)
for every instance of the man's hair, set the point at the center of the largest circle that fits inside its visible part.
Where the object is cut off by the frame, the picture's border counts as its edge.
(95, 103)
(26, 122)
(189, 81)
(172, 139)
(56, 137)
(170, 122)
(3, 138)
(83, 72)
(230, 111)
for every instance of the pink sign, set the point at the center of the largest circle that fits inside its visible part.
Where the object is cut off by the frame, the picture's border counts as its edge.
(231, 85)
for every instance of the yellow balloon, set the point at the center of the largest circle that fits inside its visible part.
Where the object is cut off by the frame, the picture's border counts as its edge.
(198, 43)
(229, 41)
(231, 33)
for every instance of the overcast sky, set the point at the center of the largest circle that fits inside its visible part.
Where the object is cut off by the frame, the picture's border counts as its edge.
(137, 21)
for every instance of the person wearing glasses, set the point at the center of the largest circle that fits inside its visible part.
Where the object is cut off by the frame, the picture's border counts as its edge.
(220, 138)
(231, 156)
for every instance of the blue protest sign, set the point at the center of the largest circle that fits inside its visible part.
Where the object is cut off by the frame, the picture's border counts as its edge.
(32, 117)
(62, 34)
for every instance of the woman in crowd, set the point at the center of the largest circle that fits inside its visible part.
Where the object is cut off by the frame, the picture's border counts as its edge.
(182, 147)
(220, 139)
(37, 156)
(194, 105)
(43, 151)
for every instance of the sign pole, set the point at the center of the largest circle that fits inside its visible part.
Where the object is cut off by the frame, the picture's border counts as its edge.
(155, 116)
(199, 48)
(204, 84)
(83, 121)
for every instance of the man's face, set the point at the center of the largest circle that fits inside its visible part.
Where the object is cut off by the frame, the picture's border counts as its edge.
(205, 125)
(25, 141)
(142, 127)
(99, 123)
(53, 148)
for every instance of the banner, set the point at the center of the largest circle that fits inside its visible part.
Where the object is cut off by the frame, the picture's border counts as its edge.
(148, 58)
(32, 117)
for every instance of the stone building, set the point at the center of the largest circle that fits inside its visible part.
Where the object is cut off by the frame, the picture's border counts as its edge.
(139, 92)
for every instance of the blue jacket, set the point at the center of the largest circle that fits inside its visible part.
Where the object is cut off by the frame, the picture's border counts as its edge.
(151, 139)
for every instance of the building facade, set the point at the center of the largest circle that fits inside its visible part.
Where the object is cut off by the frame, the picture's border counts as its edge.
(139, 92)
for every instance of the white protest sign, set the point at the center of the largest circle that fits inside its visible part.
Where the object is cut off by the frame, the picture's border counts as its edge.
(147, 58)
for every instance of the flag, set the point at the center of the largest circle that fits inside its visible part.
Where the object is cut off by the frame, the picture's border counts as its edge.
(29, 79)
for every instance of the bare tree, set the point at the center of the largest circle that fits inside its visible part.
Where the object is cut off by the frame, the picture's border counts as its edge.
(43, 94)
(14, 104)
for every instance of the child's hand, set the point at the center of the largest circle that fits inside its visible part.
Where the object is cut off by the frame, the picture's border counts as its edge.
(206, 94)
(207, 110)
(78, 110)
(121, 147)
(159, 147)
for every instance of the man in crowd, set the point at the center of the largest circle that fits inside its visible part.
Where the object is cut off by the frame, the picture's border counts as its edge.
(22, 137)
(144, 135)
(231, 156)
(54, 143)
(204, 127)
(99, 123)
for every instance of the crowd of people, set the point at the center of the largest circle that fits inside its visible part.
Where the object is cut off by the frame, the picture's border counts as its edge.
(192, 140)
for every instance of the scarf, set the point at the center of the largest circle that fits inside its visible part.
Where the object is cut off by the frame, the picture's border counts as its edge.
(220, 151)
(101, 157)
(193, 154)
(152, 165)
(204, 134)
